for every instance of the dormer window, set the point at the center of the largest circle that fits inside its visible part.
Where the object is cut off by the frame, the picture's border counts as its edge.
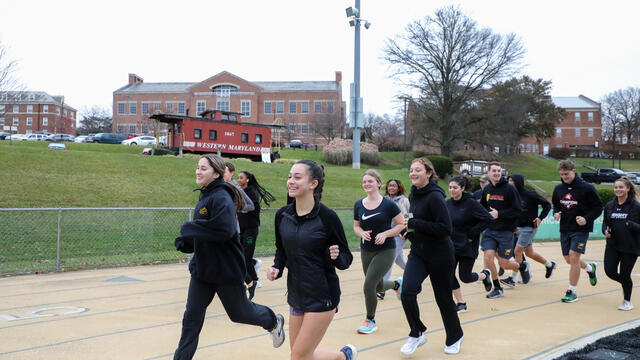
(224, 90)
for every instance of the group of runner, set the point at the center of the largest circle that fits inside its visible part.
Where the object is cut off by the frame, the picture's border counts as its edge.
(502, 219)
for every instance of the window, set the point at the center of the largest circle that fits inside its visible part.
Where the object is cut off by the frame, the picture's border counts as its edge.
(16, 121)
(244, 137)
(45, 121)
(120, 129)
(156, 106)
(58, 110)
(258, 138)
(558, 132)
(624, 139)
(279, 107)
(197, 133)
(317, 106)
(224, 90)
(528, 148)
(590, 132)
(292, 128)
(245, 108)
(330, 107)
(132, 129)
(222, 105)
(304, 128)
(169, 107)
(1, 108)
(30, 109)
(29, 132)
(65, 112)
(16, 108)
(1, 121)
(578, 132)
(304, 107)
(71, 115)
(201, 106)
(590, 116)
(29, 121)
(133, 108)
(145, 130)
(145, 108)
(213, 135)
(45, 109)
(293, 107)
(267, 107)
(576, 116)
(120, 109)
(181, 108)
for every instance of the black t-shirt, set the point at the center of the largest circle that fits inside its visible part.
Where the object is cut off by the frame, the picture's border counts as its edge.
(376, 220)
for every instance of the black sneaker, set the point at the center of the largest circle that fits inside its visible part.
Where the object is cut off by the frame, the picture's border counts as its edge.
(508, 281)
(487, 281)
(524, 272)
(380, 295)
(495, 293)
(549, 270)
(461, 307)
(252, 289)
(501, 271)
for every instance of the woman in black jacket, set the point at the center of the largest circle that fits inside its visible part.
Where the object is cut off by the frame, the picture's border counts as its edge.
(621, 226)
(468, 219)
(310, 242)
(217, 266)
(431, 255)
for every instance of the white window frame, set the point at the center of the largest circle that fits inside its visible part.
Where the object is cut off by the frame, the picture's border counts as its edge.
(270, 107)
(182, 108)
(245, 108)
(317, 103)
(304, 128)
(121, 106)
(28, 132)
(45, 121)
(558, 132)
(16, 109)
(145, 108)
(133, 108)
(1, 121)
(134, 129)
(201, 106)
(293, 106)
(590, 116)
(157, 106)
(29, 121)
(16, 121)
(29, 109)
(279, 107)
(330, 107)
(304, 107)
(590, 132)
(576, 116)
(223, 105)
(169, 106)
(45, 109)
(577, 132)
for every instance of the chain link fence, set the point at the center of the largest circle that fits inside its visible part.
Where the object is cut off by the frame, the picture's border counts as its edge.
(35, 240)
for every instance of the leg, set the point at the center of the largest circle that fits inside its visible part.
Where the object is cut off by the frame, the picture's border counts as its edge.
(399, 260)
(312, 328)
(532, 254)
(576, 264)
(489, 263)
(518, 251)
(248, 239)
(626, 266)
(455, 285)
(611, 263)
(465, 270)
(241, 310)
(441, 284)
(198, 299)
(414, 275)
(380, 262)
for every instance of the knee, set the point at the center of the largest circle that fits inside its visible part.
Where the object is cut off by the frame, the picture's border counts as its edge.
(237, 316)
(467, 278)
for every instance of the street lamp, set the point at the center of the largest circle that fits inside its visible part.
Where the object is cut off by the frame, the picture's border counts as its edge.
(404, 156)
(353, 13)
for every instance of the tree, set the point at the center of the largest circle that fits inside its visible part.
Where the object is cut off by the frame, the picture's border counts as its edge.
(327, 125)
(8, 81)
(385, 131)
(448, 60)
(622, 108)
(95, 120)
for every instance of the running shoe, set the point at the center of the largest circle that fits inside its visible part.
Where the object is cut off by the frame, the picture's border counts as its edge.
(277, 334)
(593, 277)
(501, 271)
(570, 297)
(524, 272)
(257, 266)
(350, 352)
(413, 343)
(487, 280)
(368, 327)
(495, 293)
(454, 348)
(508, 281)
(549, 270)
(461, 307)
(380, 295)
(399, 289)
(625, 306)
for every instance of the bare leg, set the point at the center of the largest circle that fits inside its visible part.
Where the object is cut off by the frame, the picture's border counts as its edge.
(489, 263)
(532, 254)
(309, 331)
(576, 264)
(457, 294)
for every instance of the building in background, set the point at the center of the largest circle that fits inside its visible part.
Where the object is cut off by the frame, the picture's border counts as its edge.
(312, 111)
(26, 112)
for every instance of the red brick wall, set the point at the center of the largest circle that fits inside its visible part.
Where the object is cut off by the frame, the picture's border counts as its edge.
(65, 125)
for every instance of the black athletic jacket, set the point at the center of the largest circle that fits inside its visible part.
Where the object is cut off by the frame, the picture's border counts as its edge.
(530, 199)
(576, 199)
(251, 219)
(624, 222)
(430, 225)
(212, 237)
(468, 219)
(302, 245)
(504, 198)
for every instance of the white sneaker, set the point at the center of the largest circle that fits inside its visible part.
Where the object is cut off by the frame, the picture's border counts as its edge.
(259, 283)
(412, 344)
(277, 334)
(257, 266)
(625, 305)
(455, 348)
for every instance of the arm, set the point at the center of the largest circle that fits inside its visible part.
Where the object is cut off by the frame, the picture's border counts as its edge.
(546, 206)
(219, 227)
(280, 258)
(556, 202)
(633, 224)
(515, 206)
(441, 224)
(483, 220)
(333, 227)
(360, 232)
(605, 221)
(248, 206)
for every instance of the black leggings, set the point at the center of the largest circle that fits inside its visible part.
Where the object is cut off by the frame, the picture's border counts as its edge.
(235, 303)
(613, 258)
(248, 239)
(464, 271)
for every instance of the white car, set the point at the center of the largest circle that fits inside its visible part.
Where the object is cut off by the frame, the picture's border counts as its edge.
(140, 140)
(17, 137)
(80, 139)
(36, 137)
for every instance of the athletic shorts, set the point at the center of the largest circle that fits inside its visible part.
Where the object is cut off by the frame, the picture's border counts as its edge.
(576, 241)
(499, 240)
(526, 235)
(296, 312)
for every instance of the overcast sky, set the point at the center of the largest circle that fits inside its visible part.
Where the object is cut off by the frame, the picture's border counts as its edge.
(85, 49)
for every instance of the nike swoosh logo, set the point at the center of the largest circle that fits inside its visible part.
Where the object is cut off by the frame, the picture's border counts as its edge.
(364, 217)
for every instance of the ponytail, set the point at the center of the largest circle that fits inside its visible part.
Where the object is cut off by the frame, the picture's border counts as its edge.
(264, 194)
(316, 172)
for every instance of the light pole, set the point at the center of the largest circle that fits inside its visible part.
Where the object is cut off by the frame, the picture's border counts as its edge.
(404, 156)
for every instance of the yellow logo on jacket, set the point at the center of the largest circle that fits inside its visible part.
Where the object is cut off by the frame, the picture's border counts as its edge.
(203, 211)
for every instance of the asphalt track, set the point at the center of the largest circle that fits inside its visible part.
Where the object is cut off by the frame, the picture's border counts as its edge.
(136, 312)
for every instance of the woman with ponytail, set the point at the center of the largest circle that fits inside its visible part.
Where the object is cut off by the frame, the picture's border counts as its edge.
(217, 265)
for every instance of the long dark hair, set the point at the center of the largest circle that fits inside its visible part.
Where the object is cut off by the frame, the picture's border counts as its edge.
(265, 195)
(316, 172)
(633, 192)
(462, 181)
(218, 165)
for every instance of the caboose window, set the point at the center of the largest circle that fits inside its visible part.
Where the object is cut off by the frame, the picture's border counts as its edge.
(244, 138)
(197, 133)
(258, 138)
(213, 135)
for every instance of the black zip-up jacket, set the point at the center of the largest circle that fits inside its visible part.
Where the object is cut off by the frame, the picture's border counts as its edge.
(212, 237)
(430, 225)
(624, 222)
(251, 219)
(576, 199)
(504, 198)
(468, 219)
(530, 199)
(302, 245)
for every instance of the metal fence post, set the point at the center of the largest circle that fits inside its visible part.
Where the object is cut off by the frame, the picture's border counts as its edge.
(58, 241)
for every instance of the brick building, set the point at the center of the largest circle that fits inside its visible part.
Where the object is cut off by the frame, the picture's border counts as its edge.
(581, 127)
(32, 111)
(309, 109)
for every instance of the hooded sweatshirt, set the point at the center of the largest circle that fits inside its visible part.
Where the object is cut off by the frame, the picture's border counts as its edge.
(468, 219)
(624, 222)
(504, 198)
(576, 199)
(530, 200)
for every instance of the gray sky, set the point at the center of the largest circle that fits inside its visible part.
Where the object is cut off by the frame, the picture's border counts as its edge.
(85, 49)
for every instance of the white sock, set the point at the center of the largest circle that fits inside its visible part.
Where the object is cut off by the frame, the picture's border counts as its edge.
(548, 263)
(588, 268)
(572, 288)
(514, 274)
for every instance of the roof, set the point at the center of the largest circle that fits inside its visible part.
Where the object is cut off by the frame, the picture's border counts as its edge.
(33, 97)
(276, 86)
(575, 102)
(165, 87)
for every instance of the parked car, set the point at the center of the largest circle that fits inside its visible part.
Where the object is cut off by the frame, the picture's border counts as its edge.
(634, 176)
(607, 175)
(80, 139)
(3, 135)
(89, 138)
(109, 138)
(43, 132)
(61, 137)
(140, 140)
(16, 137)
(36, 137)
(296, 144)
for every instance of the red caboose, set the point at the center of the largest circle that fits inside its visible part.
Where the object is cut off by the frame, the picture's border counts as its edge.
(217, 131)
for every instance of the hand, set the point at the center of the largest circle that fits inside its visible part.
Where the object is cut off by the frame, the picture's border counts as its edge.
(536, 222)
(334, 251)
(405, 222)
(607, 233)
(493, 212)
(556, 216)
(366, 236)
(272, 273)
(380, 238)
(581, 221)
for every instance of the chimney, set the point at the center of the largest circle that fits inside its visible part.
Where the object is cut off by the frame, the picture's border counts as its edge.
(134, 79)
(339, 76)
